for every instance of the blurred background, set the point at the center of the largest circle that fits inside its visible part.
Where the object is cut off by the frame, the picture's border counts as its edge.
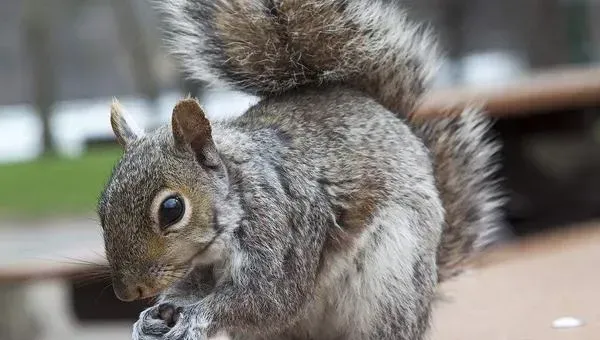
(61, 62)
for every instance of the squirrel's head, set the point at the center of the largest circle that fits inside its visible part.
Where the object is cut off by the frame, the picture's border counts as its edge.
(157, 209)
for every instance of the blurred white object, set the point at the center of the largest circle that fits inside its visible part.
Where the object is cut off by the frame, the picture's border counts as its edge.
(73, 122)
(223, 104)
(492, 68)
(567, 322)
(447, 75)
(20, 133)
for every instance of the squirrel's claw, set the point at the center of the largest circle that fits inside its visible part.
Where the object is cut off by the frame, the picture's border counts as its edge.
(169, 313)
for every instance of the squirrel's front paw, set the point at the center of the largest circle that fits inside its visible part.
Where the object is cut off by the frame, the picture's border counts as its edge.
(156, 322)
(188, 324)
(168, 322)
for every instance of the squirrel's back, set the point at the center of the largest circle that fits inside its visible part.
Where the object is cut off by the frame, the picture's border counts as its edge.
(269, 47)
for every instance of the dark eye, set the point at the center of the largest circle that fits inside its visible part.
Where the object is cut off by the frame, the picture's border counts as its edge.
(171, 211)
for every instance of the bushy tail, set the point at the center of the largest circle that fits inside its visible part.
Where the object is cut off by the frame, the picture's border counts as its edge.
(270, 46)
(465, 170)
(267, 47)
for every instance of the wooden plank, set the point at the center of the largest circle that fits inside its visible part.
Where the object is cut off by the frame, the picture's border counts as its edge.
(562, 88)
(521, 289)
(35, 253)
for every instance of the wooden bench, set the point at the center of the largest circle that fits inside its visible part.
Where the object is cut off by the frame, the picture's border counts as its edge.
(561, 88)
(518, 290)
(33, 254)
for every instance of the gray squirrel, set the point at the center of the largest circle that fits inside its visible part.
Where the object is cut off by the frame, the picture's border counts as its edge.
(327, 210)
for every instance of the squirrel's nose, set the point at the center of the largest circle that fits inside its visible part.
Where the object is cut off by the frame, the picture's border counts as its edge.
(128, 293)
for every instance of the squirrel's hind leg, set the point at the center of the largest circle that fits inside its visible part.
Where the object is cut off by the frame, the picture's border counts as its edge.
(388, 289)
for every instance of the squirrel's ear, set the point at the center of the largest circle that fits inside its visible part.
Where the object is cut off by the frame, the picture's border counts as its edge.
(192, 131)
(123, 126)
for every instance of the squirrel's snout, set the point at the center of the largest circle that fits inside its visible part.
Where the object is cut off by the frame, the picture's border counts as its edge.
(131, 292)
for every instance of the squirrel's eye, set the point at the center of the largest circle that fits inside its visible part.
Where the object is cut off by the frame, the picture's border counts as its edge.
(170, 212)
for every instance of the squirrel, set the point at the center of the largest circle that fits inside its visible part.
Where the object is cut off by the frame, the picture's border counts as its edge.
(325, 211)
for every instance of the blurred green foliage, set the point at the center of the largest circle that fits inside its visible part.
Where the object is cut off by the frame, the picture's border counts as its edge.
(55, 186)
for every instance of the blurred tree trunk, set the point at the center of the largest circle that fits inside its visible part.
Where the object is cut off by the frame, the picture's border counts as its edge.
(547, 41)
(135, 41)
(453, 23)
(447, 17)
(37, 24)
(579, 37)
(594, 29)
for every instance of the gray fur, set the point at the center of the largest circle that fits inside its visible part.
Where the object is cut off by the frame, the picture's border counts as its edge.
(466, 175)
(271, 46)
(329, 209)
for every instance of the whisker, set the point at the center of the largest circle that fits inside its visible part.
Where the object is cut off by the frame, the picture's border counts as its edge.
(99, 254)
(92, 274)
(81, 284)
(75, 261)
(98, 276)
(102, 291)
